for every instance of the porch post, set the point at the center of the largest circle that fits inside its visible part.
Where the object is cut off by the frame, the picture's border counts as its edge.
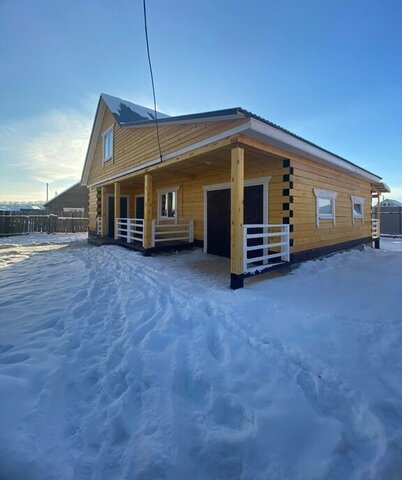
(378, 240)
(147, 211)
(237, 217)
(116, 206)
(378, 206)
(103, 211)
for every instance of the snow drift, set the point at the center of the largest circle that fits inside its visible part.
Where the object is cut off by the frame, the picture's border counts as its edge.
(114, 365)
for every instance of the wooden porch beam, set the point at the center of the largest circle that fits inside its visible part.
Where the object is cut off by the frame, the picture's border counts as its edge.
(175, 160)
(116, 205)
(259, 145)
(237, 216)
(148, 211)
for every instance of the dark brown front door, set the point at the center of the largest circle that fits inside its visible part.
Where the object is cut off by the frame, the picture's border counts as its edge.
(218, 217)
(139, 207)
(123, 213)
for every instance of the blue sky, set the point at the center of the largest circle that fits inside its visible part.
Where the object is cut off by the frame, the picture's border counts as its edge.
(329, 70)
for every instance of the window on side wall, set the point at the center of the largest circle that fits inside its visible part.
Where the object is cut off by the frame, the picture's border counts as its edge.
(357, 208)
(107, 144)
(325, 205)
(167, 208)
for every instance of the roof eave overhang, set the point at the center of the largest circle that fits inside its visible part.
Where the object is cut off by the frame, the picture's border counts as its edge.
(184, 120)
(252, 127)
(281, 139)
(381, 187)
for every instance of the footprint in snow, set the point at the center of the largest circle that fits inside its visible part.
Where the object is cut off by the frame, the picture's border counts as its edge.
(390, 412)
(5, 348)
(156, 342)
(14, 358)
(215, 347)
(227, 413)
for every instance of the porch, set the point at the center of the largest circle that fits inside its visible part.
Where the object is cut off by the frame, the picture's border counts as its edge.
(260, 241)
(232, 202)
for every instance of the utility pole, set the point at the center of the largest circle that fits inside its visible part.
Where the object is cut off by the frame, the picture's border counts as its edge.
(47, 192)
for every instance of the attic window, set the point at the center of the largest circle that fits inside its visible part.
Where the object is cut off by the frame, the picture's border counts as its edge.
(107, 143)
(325, 205)
(357, 208)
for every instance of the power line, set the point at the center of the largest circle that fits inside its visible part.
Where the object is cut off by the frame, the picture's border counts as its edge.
(152, 78)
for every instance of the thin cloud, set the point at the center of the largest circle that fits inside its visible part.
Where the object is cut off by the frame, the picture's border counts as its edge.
(50, 147)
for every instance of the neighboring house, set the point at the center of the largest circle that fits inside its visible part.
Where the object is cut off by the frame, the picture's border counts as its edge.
(32, 210)
(15, 208)
(387, 202)
(229, 181)
(73, 202)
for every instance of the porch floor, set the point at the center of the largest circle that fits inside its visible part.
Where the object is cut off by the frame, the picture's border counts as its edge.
(194, 264)
(137, 246)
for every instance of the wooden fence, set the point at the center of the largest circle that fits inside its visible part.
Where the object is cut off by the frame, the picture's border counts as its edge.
(15, 224)
(391, 220)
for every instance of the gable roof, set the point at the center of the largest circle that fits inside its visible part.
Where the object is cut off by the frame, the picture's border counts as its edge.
(394, 203)
(235, 113)
(126, 112)
(130, 115)
(76, 185)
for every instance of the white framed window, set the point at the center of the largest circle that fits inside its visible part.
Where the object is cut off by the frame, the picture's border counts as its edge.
(357, 208)
(107, 144)
(167, 203)
(325, 205)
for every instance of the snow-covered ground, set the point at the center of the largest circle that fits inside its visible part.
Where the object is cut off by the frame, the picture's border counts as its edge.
(118, 366)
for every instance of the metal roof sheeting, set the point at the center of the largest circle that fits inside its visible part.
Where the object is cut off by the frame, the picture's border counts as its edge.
(131, 115)
(126, 112)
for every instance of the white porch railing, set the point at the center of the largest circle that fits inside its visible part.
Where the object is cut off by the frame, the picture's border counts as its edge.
(169, 232)
(267, 242)
(99, 225)
(130, 229)
(375, 228)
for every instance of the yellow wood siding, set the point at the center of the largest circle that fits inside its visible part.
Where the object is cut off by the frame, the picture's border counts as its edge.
(133, 146)
(304, 175)
(190, 196)
(308, 175)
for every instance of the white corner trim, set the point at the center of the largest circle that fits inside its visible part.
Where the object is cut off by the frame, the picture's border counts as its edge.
(160, 192)
(168, 189)
(319, 193)
(359, 201)
(329, 195)
(106, 132)
(247, 183)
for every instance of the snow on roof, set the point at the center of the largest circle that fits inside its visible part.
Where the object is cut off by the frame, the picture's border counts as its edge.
(393, 203)
(16, 206)
(128, 112)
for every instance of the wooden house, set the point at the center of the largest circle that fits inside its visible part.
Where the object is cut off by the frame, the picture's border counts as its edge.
(72, 202)
(228, 181)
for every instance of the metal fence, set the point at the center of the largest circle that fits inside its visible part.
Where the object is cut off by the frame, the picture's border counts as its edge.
(391, 220)
(15, 224)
